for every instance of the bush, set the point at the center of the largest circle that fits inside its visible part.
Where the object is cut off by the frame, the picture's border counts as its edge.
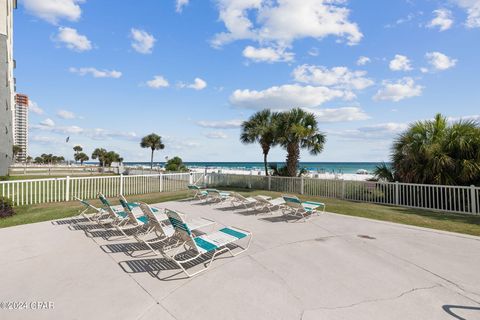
(6, 208)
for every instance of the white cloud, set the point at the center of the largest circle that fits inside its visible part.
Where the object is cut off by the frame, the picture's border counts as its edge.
(340, 77)
(314, 52)
(198, 84)
(72, 39)
(54, 10)
(286, 97)
(400, 63)
(267, 54)
(396, 91)
(390, 127)
(226, 124)
(96, 73)
(339, 114)
(158, 82)
(440, 61)
(64, 114)
(143, 42)
(475, 117)
(382, 131)
(48, 123)
(44, 139)
(363, 61)
(33, 107)
(282, 22)
(443, 20)
(473, 12)
(216, 135)
(180, 4)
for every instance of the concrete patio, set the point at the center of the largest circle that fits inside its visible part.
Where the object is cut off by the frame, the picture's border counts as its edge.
(331, 267)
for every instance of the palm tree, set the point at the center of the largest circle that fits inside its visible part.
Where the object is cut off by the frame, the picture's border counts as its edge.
(384, 172)
(99, 153)
(77, 150)
(298, 129)
(16, 150)
(261, 128)
(437, 152)
(82, 157)
(154, 142)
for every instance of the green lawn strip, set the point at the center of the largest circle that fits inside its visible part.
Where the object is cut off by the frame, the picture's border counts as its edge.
(53, 211)
(46, 176)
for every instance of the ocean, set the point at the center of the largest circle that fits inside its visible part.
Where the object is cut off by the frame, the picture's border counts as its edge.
(321, 167)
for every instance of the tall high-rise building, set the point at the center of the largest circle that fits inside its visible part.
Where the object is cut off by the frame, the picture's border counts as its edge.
(21, 126)
(7, 83)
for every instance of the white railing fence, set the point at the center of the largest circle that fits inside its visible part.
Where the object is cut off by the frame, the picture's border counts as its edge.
(456, 199)
(36, 191)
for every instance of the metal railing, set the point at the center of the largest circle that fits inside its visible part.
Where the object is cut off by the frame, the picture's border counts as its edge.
(457, 199)
(36, 191)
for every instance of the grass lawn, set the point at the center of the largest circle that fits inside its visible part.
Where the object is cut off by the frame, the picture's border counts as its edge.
(422, 218)
(46, 176)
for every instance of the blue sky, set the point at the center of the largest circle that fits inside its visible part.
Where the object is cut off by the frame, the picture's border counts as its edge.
(105, 73)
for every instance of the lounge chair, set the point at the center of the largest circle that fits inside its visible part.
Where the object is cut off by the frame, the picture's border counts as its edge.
(295, 207)
(212, 243)
(115, 214)
(197, 192)
(163, 231)
(236, 199)
(99, 215)
(214, 195)
(269, 204)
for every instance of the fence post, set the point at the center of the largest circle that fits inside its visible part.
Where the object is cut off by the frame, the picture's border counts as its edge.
(396, 193)
(250, 180)
(161, 182)
(343, 189)
(269, 183)
(302, 185)
(121, 184)
(474, 199)
(67, 189)
(190, 181)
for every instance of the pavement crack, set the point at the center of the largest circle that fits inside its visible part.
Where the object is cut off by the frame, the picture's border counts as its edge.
(378, 299)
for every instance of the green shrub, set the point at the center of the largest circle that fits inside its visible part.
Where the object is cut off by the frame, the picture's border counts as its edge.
(6, 207)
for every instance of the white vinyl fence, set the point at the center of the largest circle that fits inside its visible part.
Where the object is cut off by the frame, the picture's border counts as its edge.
(456, 199)
(35, 191)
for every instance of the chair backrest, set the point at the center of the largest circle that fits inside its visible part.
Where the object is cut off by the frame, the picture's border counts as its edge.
(193, 187)
(104, 200)
(238, 196)
(152, 218)
(87, 204)
(292, 201)
(181, 228)
(128, 209)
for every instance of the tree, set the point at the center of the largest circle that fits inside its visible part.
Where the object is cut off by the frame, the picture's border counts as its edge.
(16, 149)
(175, 164)
(82, 157)
(438, 152)
(261, 128)
(99, 153)
(29, 159)
(77, 150)
(384, 172)
(111, 157)
(298, 129)
(38, 160)
(154, 142)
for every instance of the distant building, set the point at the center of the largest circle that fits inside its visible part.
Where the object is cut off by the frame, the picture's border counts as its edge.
(7, 83)
(21, 126)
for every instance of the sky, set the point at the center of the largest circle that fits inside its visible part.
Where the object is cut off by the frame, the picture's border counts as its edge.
(106, 72)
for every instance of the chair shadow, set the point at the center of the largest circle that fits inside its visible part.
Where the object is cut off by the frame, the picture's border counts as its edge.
(69, 221)
(447, 308)
(282, 218)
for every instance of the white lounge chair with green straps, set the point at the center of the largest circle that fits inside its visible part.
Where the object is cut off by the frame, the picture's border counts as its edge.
(236, 199)
(295, 207)
(217, 196)
(213, 243)
(99, 215)
(266, 203)
(197, 192)
(161, 229)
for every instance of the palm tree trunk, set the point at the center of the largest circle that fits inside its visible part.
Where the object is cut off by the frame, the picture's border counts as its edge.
(266, 150)
(151, 160)
(293, 150)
